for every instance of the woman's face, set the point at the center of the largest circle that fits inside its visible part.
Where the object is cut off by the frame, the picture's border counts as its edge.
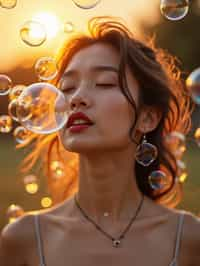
(90, 85)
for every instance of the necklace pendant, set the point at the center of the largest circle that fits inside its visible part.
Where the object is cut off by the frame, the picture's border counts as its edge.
(116, 243)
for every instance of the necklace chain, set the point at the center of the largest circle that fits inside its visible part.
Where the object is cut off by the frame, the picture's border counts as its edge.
(116, 241)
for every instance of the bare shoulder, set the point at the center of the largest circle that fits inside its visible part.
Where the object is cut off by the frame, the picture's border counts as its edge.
(15, 240)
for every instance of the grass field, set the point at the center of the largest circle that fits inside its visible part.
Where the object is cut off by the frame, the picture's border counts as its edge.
(12, 190)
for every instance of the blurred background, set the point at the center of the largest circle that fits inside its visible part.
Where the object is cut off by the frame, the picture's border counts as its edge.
(17, 59)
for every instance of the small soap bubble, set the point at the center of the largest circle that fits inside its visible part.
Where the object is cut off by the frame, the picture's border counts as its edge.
(193, 84)
(31, 184)
(38, 114)
(57, 169)
(21, 134)
(68, 27)
(5, 84)
(13, 212)
(86, 4)
(12, 110)
(146, 153)
(174, 9)
(33, 33)
(5, 124)
(197, 136)
(9, 4)
(158, 180)
(16, 91)
(46, 68)
(176, 142)
(46, 202)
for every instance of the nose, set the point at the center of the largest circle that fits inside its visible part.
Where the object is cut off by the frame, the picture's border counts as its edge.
(80, 98)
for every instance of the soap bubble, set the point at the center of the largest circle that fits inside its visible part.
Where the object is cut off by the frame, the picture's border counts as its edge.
(174, 9)
(68, 27)
(86, 4)
(12, 110)
(5, 124)
(193, 84)
(197, 136)
(42, 108)
(9, 4)
(16, 91)
(21, 134)
(33, 33)
(158, 180)
(5, 84)
(46, 68)
(13, 212)
(146, 153)
(182, 171)
(57, 169)
(176, 142)
(31, 184)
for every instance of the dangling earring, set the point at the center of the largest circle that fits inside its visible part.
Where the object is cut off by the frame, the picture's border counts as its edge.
(146, 153)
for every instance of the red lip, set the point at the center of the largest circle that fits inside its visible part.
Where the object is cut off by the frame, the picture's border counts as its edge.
(78, 115)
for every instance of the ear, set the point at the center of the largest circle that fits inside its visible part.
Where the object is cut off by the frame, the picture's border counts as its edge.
(149, 119)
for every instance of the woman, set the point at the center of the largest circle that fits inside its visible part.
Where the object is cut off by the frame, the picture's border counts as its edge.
(124, 98)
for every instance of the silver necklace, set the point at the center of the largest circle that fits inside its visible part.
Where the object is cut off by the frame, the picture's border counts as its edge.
(116, 241)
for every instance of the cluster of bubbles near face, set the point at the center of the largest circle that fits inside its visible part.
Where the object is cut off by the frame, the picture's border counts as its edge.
(174, 9)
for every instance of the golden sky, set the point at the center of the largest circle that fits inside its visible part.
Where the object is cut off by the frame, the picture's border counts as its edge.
(14, 51)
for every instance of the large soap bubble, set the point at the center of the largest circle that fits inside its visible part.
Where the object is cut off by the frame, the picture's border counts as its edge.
(174, 9)
(42, 108)
(86, 4)
(193, 84)
(33, 33)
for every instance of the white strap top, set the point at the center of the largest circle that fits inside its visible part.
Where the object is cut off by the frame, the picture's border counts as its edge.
(41, 252)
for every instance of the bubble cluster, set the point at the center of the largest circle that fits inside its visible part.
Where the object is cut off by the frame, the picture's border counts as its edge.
(33, 33)
(193, 84)
(16, 91)
(38, 114)
(5, 124)
(46, 68)
(8, 4)
(86, 4)
(31, 184)
(5, 84)
(174, 9)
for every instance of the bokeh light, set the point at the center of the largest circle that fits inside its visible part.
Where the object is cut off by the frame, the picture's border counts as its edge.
(193, 84)
(13, 212)
(5, 124)
(31, 184)
(46, 202)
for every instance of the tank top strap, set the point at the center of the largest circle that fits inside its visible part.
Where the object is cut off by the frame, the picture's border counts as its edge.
(39, 240)
(178, 239)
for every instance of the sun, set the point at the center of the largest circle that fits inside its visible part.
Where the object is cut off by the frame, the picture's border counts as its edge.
(49, 21)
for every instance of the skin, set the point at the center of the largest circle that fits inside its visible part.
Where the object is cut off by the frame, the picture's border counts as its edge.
(106, 156)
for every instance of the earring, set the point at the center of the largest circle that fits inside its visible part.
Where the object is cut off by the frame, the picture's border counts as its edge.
(146, 153)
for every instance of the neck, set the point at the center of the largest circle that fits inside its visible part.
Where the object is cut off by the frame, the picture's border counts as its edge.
(108, 189)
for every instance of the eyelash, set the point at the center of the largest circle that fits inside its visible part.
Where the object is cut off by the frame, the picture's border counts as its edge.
(98, 84)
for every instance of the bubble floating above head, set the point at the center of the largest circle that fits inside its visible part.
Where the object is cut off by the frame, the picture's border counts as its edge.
(33, 33)
(5, 124)
(174, 9)
(42, 108)
(9, 4)
(21, 134)
(68, 27)
(16, 91)
(13, 212)
(86, 4)
(46, 68)
(158, 179)
(193, 84)
(31, 184)
(5, 84)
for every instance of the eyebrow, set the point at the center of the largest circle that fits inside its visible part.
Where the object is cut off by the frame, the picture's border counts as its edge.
(94, 69)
